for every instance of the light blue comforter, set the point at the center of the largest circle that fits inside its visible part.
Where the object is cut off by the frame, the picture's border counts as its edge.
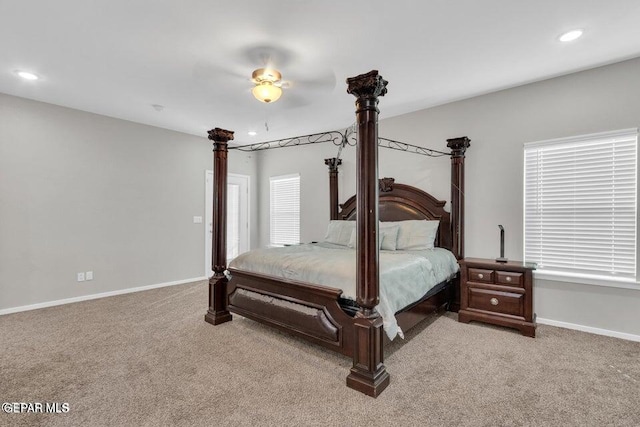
(405, 276)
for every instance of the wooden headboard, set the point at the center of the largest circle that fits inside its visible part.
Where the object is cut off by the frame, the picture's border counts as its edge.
(399, 202)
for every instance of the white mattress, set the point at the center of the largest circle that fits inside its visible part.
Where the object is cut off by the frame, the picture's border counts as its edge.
(405, 276)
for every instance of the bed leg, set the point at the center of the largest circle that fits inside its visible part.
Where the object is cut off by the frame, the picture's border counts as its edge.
(368, 374)
(454, 293)
(217, 312)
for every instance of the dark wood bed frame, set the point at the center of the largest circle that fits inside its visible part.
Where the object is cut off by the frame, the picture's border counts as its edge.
(311, 311)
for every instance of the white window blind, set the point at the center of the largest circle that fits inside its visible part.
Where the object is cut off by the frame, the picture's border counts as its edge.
(285, 210)
(580, 204)
(233, 221)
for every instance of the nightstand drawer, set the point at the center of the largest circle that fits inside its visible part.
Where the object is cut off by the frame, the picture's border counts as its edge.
(510, 278)
(480, 275)
(496, 302)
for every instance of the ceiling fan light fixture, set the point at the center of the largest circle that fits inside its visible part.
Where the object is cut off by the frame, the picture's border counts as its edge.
(266, 92)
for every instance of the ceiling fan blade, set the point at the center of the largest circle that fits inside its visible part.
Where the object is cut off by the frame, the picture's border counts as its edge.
(319, 81)
(292, 99)
(265, 56)
(209, 72)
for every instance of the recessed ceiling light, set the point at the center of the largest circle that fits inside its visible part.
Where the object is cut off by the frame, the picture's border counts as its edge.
(26, 75)
(252, 133)
(570, 35)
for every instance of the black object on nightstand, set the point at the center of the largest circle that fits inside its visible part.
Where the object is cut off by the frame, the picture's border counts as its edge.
(501, 258)
(500, 293)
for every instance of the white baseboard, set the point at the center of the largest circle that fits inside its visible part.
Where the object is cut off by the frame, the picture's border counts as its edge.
(96, 296)
(597, 331)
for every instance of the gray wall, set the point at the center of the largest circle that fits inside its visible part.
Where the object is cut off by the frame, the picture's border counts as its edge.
(602, 99)
(81, 192)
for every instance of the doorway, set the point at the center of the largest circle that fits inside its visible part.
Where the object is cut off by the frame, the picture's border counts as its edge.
(237, 217)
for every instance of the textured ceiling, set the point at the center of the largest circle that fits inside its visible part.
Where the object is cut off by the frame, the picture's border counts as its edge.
(195, 57)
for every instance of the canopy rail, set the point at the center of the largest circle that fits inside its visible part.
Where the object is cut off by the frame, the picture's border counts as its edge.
(409, 148)
(336, 137)
(341, 139)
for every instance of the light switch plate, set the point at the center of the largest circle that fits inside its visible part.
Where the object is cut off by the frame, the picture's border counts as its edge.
(197, 220)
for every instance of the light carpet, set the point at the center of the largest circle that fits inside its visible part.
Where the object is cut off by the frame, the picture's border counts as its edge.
(149, 359)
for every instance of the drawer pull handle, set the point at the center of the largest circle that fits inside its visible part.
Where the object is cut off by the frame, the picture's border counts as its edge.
(494, 301)
(480, 276)
(508, 278)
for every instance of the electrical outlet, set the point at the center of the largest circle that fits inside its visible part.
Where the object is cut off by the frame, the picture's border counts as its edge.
(88, 275)
(197, 220)
(80, 277)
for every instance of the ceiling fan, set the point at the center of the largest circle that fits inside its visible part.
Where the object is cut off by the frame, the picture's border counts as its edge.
(257, 69)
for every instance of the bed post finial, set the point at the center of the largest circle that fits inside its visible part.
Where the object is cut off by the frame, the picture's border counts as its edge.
(368, 374)
(333, 164)
(220, 135)
(458, 148)
(369, 85)
(218, 312)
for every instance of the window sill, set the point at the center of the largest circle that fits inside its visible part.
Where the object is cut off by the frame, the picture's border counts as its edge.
(584, 279)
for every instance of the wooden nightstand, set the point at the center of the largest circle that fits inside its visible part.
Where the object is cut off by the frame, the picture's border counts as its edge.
(498, 293)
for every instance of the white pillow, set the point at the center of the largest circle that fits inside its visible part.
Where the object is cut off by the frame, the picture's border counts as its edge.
(388, 237)
(339, 232)
(416, 234)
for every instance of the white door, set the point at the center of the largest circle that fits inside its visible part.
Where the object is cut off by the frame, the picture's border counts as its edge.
(237, 217)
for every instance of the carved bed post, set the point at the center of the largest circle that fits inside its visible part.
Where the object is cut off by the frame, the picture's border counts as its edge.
(333, 164)
(458, 147)
(368, 374)
(218, 312)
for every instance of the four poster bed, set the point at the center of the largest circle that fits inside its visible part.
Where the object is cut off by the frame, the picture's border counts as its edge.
(325, 315)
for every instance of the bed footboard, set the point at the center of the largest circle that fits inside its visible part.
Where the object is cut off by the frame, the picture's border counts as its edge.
(306, 310)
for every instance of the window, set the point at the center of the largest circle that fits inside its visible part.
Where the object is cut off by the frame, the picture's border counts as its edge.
(580, 205)
(285, 210)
